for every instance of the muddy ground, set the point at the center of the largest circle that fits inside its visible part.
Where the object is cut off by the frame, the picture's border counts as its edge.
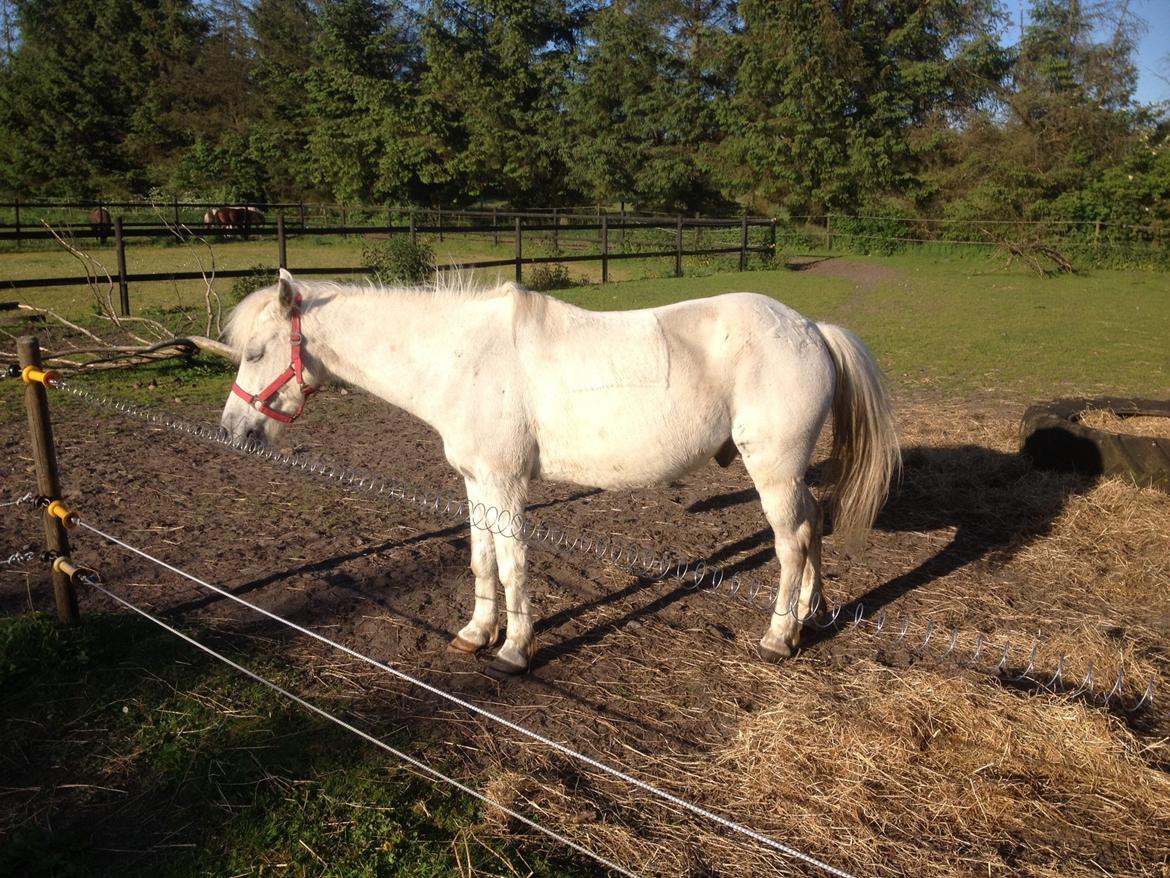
(974, 548)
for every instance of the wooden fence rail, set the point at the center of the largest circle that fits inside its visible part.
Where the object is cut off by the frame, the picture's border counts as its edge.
(553, 225)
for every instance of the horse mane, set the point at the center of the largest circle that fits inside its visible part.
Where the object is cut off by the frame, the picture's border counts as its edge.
(243, 317)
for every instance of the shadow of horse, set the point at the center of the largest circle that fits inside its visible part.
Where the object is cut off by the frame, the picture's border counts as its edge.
(996, 503)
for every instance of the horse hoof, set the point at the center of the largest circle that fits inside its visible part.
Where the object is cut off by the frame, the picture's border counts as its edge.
(502, 669)
(463, 647)
(769, 654)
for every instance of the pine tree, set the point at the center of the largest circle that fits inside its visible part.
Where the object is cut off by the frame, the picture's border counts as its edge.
(642, 104)
(494, 91)
(75, 88)
(360, 87)
(829, 92)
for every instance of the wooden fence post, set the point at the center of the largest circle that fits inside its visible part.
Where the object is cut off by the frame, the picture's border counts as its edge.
(175, 202)
(605, 248)
(440, 224)
(772, 238)
(302, 206)
(48, 481)
(519, 253)
(120, 246)
(556, 222)
(743, 238)
(495, 228)
(17, 206)
(281, 244)
(678, 247)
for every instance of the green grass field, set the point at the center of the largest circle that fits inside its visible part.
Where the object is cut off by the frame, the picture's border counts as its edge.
(953, 324)
(200, 745)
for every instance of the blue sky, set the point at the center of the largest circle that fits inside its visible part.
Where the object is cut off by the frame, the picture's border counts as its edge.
(1153, 52)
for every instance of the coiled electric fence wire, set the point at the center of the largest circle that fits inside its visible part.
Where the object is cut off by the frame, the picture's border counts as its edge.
(635, 559)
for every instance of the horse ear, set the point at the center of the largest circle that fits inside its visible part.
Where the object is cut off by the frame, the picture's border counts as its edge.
(286, 289)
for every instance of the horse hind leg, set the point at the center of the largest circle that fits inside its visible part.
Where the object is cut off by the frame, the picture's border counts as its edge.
(812, 598)
(792, 512)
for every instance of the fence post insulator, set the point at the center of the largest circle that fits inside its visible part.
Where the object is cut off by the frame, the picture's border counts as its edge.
(57, 509)
(65, 566)
(47, 377)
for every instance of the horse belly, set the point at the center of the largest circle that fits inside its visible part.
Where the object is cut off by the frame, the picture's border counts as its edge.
(632, 438)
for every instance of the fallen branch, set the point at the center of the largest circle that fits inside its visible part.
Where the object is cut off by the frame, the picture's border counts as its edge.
(184, 346)
(155, 340)
(1033, 254)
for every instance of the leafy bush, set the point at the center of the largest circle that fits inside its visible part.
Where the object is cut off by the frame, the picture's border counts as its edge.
(258, 276)
(876, 230)
(400, 260)
(549, 276)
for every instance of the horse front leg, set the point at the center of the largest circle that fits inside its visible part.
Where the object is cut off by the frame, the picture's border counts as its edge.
(505, 500)
(484, 628)
(520, 645)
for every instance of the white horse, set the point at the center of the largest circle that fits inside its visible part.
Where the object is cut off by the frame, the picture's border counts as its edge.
(523, 386)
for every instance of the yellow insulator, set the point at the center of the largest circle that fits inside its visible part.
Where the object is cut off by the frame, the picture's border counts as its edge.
(47, 377)
(57, 509)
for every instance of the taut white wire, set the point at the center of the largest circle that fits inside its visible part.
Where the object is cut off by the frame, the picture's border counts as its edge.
(725, 822)
(421, 766)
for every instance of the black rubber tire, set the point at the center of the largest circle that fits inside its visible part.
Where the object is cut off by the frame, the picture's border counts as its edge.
(1052, 435)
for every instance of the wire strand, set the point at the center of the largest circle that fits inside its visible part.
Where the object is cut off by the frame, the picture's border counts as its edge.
(416, 763)
(697, 810)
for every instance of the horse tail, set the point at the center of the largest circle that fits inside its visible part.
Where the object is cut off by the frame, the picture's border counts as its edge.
(865, 455)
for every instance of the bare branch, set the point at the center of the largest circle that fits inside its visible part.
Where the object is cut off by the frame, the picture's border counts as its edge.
(159, 341)
(48, 312)
(212, 304)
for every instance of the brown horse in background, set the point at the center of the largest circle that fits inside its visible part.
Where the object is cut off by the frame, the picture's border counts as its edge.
(100, 224)
(237, 219)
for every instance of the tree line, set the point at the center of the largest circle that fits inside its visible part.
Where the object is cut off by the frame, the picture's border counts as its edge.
(800, 106)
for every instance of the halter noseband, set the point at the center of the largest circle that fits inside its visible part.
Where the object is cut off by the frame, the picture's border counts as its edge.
(259, 401)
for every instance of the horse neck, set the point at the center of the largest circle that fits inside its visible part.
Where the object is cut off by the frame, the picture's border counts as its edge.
(394, 344)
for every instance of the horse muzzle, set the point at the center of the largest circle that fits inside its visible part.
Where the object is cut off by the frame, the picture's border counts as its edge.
(244, 430)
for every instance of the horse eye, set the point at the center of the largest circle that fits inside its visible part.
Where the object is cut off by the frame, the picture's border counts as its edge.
(254, 355)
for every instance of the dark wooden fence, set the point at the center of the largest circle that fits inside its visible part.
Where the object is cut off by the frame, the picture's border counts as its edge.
(560, 230)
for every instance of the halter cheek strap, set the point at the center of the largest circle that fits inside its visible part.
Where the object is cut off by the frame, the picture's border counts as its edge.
(295, 369)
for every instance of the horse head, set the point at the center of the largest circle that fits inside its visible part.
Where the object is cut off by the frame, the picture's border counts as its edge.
(275, 377)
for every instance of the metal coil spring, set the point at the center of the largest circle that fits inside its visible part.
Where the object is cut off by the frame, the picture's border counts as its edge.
(27, 498)
(979, 654)
(21, 557)
(631, 557)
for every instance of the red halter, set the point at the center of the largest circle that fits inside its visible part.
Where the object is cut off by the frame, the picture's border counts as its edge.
(294, 370)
